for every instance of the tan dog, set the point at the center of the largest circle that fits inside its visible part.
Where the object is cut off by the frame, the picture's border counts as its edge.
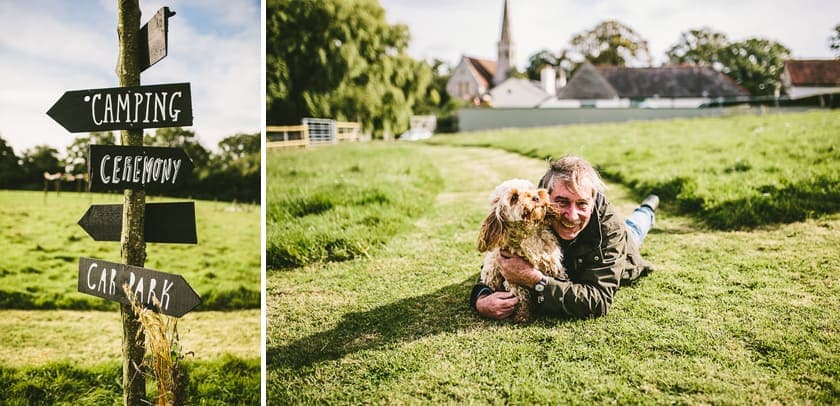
(517, 224)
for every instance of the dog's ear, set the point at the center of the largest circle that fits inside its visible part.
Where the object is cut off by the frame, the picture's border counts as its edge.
(490, 235)
(514, 196)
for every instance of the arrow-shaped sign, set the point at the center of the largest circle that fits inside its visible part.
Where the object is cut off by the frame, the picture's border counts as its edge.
(162, 292)
(164, 222)
(154, 39)
(114, 167)
(124, 108)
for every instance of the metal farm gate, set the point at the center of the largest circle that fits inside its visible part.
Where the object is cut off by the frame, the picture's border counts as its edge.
(321, 130)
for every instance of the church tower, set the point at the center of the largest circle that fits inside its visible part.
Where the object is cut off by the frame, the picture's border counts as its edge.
(505, 60)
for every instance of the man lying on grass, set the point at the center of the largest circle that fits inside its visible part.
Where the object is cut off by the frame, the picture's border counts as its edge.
(599, 250)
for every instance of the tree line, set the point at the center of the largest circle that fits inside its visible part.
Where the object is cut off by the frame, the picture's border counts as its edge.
(340, 59)
(231, 174)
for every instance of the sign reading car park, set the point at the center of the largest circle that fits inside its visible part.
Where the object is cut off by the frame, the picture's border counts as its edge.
(114, 167)
(124, 108)
(163, 292)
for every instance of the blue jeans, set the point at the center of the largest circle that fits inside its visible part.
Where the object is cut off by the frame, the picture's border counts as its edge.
(639, 223)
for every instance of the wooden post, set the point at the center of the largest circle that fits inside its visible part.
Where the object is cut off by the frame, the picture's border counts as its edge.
(132, 242)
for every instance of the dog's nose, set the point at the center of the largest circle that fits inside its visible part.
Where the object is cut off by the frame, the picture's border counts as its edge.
(535, 198)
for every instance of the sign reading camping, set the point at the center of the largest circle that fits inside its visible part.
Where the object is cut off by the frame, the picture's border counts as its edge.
(113, 167)
(124, 108)
(162, 292)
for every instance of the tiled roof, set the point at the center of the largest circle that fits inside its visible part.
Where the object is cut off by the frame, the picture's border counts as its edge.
(483, 70)
(670, 82)
(587, 83)
(814, 72)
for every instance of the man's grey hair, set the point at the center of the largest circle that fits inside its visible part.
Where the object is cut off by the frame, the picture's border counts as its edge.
(575, 173)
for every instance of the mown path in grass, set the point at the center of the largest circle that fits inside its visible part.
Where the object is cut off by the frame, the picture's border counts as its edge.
(727, 317)
(92, 338)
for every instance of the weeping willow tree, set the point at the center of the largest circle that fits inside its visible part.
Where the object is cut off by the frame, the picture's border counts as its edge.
(340, 59)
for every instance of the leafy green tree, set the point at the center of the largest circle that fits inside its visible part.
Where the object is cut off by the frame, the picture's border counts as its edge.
(611, 43)
(340, 59)
(11, 173)
(540, 60)
(36, 161)
(238, 146)
(75, 160)
(756, 64)
(701, 47)
(834, 41)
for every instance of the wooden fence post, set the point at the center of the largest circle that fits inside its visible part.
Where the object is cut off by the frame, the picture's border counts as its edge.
(132, 242)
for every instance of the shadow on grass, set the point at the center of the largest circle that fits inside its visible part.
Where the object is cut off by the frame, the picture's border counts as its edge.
(444, 310)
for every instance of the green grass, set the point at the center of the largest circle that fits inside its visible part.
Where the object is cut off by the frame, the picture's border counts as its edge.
(732, 173)
(322, 206)
(225, 381)
(42, 244)
(728, 317)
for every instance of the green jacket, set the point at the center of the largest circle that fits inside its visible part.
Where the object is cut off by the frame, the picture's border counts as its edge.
(597, 262)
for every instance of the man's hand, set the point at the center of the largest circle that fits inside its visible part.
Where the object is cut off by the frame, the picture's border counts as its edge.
(518, 271)
(497, 305)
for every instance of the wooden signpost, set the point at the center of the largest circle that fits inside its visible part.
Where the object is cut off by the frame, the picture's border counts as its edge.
(163, 292)
(124, 108)
(134, 168)
(113, 167)
(165, 222)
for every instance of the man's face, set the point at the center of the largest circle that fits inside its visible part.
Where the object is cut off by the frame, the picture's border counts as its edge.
(574, 210)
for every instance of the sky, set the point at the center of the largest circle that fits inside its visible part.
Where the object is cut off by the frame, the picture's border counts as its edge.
(48, 47)
(447, 29)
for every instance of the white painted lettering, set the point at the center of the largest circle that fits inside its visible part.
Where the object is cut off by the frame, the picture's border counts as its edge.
(122, 105)
(164, 295)
(148, 100)
(173, 113)
(158, 164)
(109, 110)
(116, 172)
(148, 167)
(93, 108)
(113, 288)
(138, 290)
(167, 170)
(103, 282)
(138, 167)
(176, 163)
(127, 168)
(160, 105)
(92, 266)
(105, 178)
(138, 100)
(152, 284)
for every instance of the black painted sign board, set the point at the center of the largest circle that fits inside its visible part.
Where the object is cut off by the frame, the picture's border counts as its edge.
(164, 223)
(124, 108)
(154, 39)
(115, 167)
(160, 291)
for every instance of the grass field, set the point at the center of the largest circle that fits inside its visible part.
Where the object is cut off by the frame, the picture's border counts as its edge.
(732, 315)
(60, 346)
(42, 245)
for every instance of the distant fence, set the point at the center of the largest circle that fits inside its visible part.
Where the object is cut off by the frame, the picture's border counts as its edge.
(313, 131)
(488, 119)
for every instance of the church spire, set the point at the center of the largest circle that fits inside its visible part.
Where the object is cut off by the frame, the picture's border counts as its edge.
(505, 56)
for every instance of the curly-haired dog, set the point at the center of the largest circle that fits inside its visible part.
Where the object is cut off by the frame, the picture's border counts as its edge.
(517, 224)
